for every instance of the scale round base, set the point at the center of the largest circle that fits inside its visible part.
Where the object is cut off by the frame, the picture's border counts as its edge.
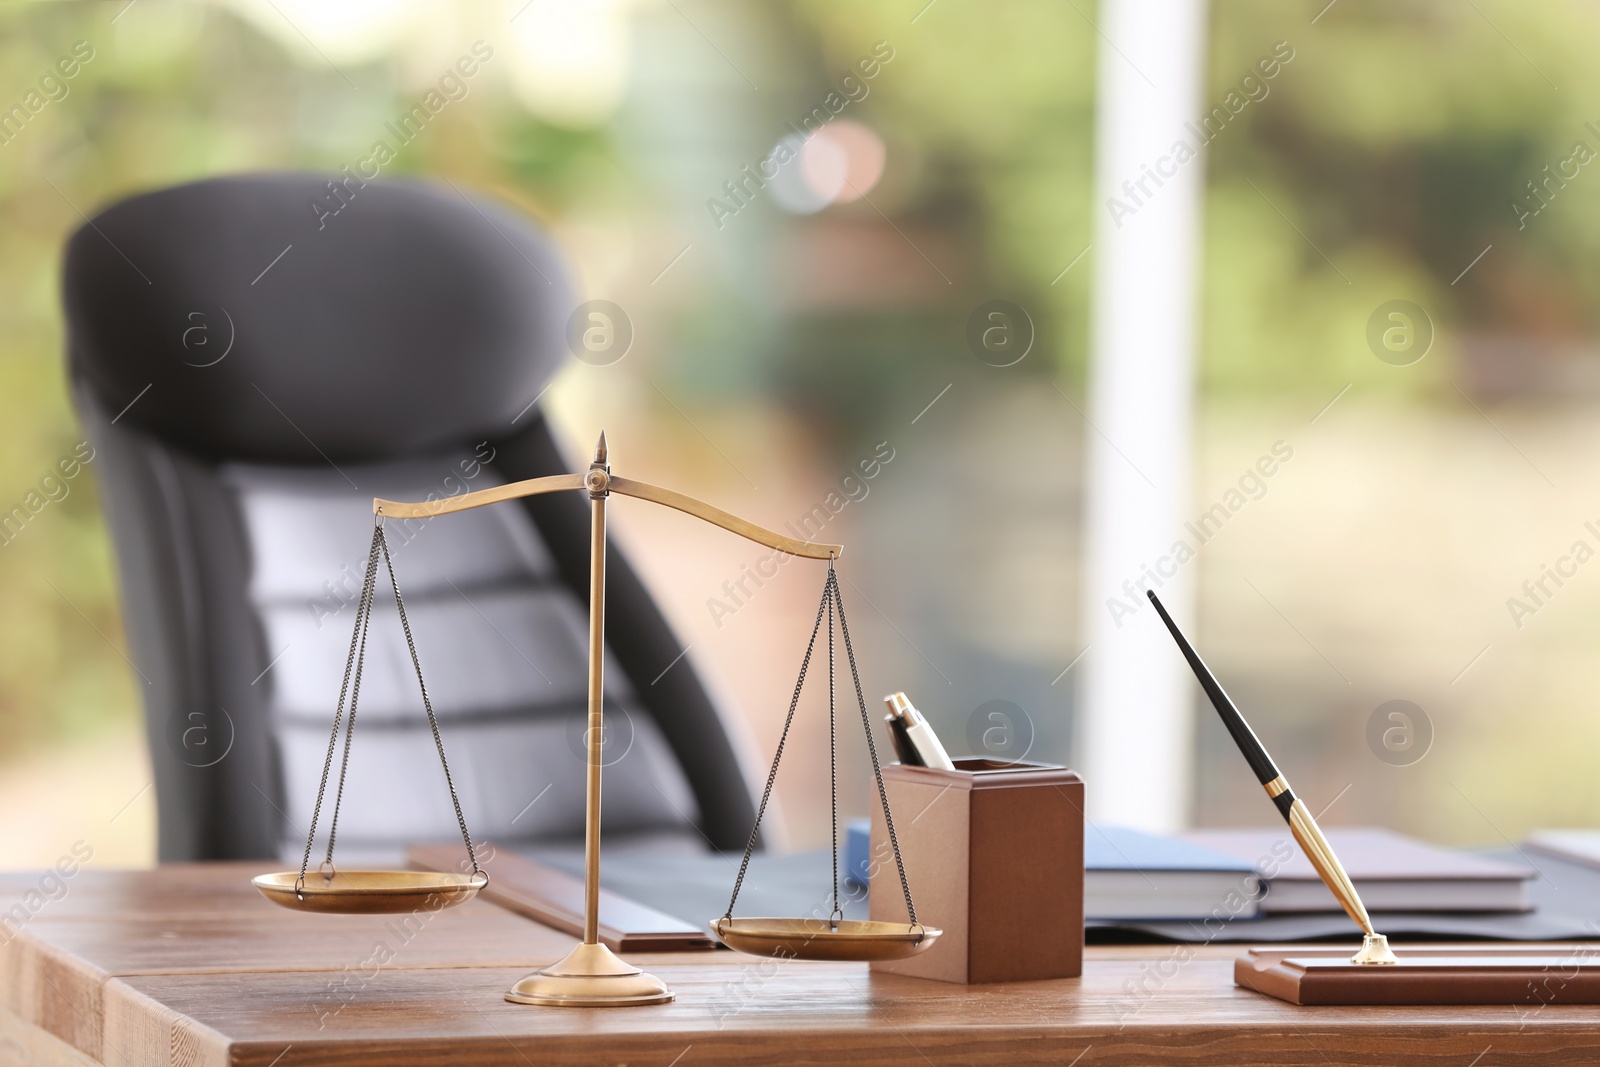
(590, 976)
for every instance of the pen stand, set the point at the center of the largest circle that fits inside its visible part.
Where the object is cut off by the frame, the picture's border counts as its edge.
(995, 850)
(1522, 978)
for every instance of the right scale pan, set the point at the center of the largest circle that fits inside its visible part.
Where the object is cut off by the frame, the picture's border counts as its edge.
(825, 939)
(834, 937)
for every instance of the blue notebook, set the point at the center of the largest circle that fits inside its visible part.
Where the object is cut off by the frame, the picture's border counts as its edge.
(1130, 875)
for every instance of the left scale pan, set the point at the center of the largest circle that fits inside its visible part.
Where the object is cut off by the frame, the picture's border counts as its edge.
(369, 892)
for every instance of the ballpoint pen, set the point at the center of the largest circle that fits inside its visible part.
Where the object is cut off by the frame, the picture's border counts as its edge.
(930, 752)
(903, 748)
(1375, 946)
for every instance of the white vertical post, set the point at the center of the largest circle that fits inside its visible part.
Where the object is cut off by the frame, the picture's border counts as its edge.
(1135, 729)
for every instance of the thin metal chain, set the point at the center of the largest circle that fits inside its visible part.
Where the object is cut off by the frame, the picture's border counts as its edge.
(433, 723)
(872, 749)
(357, 638)
(368, 591)
(772, 775)
(353, 669)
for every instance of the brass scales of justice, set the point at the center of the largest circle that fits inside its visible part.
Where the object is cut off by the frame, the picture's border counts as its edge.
(591, 974)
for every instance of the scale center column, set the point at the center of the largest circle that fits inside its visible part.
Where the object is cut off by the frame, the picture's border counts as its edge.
(597, 481)
(591, 975)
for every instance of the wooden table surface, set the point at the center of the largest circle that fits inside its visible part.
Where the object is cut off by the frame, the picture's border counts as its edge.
(189, 966)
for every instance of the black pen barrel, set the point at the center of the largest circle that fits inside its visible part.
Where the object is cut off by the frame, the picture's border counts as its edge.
(1250, 745)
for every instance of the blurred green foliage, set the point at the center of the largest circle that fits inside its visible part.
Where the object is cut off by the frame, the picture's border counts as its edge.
(1392, 144)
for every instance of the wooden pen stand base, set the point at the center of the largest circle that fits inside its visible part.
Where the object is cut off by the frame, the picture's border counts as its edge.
(994, 854)
(1525, 977)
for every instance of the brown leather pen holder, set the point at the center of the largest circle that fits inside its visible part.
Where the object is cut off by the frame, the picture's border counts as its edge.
(994, 855)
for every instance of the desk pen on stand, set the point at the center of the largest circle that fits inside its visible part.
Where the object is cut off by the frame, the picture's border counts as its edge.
(1375, 947)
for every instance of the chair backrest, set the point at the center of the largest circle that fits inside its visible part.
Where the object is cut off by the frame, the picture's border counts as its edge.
(255, 358)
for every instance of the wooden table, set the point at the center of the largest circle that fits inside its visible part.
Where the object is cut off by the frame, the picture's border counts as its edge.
(188, 966)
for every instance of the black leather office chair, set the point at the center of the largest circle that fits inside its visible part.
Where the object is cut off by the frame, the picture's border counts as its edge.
(253, 368)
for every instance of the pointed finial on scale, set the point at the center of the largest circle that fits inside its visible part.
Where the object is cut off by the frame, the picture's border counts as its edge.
(600, 448)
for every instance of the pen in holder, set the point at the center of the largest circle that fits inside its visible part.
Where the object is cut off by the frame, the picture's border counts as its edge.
(914, 740)
(995, 850)
(904, 750)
